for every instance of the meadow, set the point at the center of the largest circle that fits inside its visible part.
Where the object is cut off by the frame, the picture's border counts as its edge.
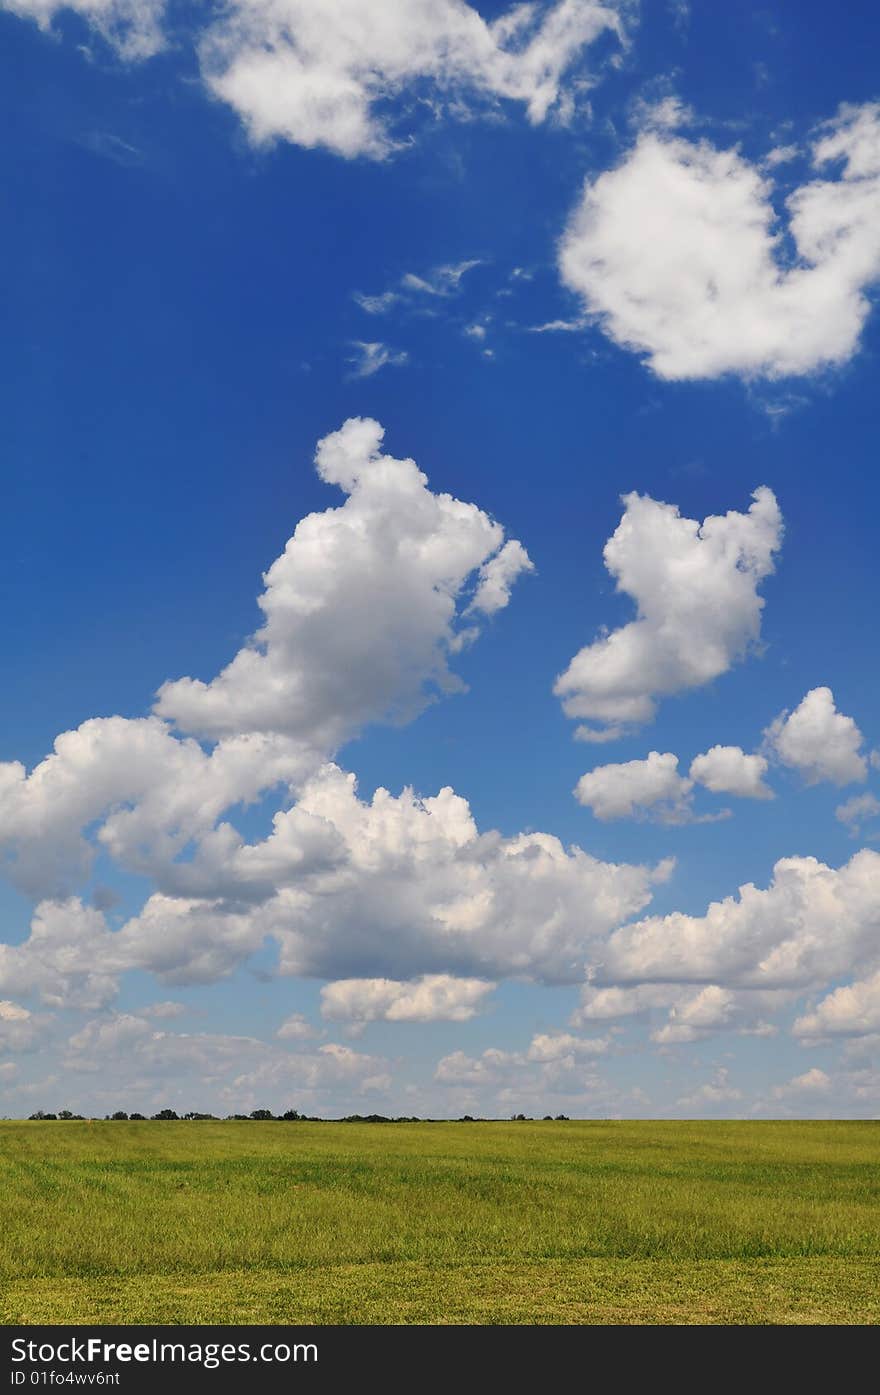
(526, 1222)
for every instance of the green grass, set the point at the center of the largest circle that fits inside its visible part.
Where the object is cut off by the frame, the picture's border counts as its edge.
(491, 1223)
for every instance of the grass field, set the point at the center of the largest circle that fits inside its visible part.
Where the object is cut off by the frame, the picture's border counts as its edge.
(574, 1222)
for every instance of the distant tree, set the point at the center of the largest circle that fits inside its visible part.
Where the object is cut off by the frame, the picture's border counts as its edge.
(66, 1114)
(548, 1116)
(518, 1117)
(40, 1115)
(193, 1115)
(120, 1114)
(262, 1114)
(291, 1114)
(562, 1116)
(166, 1114)
(137, 1116)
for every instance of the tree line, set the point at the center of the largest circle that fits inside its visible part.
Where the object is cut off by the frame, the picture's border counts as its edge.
(289, 1116)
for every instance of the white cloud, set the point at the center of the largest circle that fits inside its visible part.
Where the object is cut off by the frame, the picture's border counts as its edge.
(728, 770)
(858, 810)
(376, 304)
(319, 74)
(370, 357)
(143, 792)
(432, 998)
(360, 609)
(819, 741)
(693, 1014)
(677, 254)
(164, 1011)
(133, 27)
(715, 1094)
(296, 1028)
(497, 577)
(633, 787)
(67, 960)
(608, 1004)
(696, 590)
(562, 1046)
(813, 1081)
(18, 1027)
(852, 1010)
(442, 281)
(812, 924)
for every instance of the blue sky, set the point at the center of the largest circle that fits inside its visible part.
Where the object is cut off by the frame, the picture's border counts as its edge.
(617, 251)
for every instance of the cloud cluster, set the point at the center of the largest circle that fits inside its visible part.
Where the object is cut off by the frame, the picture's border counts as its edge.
(695, 586)
(652, 788)
(678, 254)
(403, 887)
(318, 74)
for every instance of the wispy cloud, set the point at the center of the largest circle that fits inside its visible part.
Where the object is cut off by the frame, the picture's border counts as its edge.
(370, 357)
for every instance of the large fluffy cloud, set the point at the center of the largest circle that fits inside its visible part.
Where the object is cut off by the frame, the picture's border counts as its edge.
(677, 253)
(818, 741)
(813, 924)
(318, 74)
(362, 608)
(695, 586)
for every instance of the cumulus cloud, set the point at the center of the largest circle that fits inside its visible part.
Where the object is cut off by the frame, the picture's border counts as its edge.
(695, 586)
(562, 1046)
(813, 923)
(432, 998)
(812, 1082)
(637, 787)
(18, 1027)
(728, 770)
(142, 793)
(321, 75)
(818, 741)
(676, 253)
(851, 1010)
(67, 960)
(133, 27)
(360, 610)
(715, 1094)
(692, 1014)
(296, 1028)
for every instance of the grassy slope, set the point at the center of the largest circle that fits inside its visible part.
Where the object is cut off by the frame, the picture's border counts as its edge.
(543, 1222)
